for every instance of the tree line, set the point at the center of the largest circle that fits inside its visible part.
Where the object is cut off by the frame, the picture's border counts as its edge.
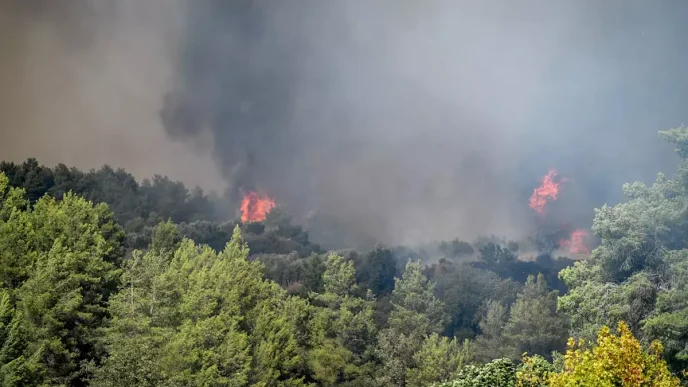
(106, 281)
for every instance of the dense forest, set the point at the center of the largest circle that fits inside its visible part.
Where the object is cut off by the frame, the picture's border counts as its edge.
(105, 281)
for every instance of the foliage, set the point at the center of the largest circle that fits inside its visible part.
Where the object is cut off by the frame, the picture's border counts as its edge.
(202, 318)
(464, 290)
(438, 360)
(534, 325)
(456, 249)
(497, 373)
(669, 321)
(416, 314)
(416, 309)
(615, 360)
(376, 270)
(58, 263)
(494, 254)
(344, 330)
(534, 371)
(637, 272)
(166, 238)
(491, 343)
(636, 233)
(530, 325)
(592, 303)
(151, 286)
(124, 195)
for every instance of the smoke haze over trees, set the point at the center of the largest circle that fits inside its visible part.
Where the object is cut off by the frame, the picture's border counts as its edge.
(394, 193)
(405, 121)
(110, 294)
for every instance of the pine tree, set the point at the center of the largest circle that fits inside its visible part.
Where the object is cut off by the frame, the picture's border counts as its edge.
(439, 360)
(416, 314)
(491, 343)
(534, 325)
(58, 271)
(344, 331)
(203, 318)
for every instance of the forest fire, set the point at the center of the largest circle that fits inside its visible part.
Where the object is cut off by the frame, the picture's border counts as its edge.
(548, 190)
(576, 243)
(573, 242)
(255, 206)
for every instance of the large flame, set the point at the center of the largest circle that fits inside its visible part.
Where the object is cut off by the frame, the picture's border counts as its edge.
(548, 190)
(255, 206)
(576, 243)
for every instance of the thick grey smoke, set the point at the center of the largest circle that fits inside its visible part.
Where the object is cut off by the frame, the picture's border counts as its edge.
(409, 120)
(418, 120)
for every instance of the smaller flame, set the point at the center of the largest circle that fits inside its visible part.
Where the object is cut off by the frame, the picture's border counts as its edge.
(548, 190)
(255, 207)
(576, 243)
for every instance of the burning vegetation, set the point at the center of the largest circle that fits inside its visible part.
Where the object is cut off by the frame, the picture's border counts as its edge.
(482, 291)
(255, 206)
(334, 111)
(575, 244)
(548, 190)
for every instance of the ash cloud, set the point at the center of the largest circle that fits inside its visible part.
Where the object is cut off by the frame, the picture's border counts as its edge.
(407, 121)
(428, 120)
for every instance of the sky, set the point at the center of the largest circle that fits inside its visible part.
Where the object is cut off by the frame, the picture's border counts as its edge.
(406, 121)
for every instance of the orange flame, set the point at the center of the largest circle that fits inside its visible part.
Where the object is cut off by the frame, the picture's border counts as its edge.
(576, 243)
(548, 190)
(255, 206)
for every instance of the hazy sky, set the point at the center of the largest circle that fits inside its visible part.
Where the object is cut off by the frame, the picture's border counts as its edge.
(409, 120)
(81, 83)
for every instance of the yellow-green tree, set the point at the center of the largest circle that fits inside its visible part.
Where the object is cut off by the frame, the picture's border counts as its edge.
(614, 360)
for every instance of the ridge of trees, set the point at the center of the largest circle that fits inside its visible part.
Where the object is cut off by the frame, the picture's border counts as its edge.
(146, 286)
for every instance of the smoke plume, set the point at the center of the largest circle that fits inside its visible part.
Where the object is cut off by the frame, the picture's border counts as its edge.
(81, 83)
(406, 120)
